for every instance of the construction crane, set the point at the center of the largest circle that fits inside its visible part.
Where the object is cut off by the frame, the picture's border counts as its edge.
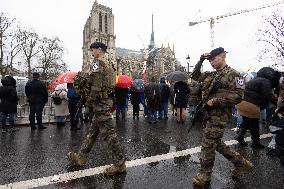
(212, 19)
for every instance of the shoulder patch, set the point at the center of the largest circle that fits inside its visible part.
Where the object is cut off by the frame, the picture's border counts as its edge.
(240, 83)
(95, 66)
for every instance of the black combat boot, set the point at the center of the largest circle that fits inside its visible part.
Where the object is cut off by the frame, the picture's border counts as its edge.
(257, 145)
(240, 138)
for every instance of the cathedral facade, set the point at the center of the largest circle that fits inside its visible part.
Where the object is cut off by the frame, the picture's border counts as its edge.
(100, 27)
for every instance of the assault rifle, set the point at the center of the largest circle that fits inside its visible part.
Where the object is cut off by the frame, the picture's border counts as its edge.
(202, 106)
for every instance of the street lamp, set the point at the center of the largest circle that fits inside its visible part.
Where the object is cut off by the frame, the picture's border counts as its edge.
(188, 61)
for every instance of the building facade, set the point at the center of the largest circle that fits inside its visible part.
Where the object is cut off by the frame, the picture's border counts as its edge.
(100, 27)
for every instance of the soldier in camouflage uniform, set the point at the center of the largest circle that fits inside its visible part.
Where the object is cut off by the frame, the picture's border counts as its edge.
(214, 121)
(99, 87)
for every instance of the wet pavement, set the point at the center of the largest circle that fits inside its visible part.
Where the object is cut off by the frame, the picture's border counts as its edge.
(153, 154)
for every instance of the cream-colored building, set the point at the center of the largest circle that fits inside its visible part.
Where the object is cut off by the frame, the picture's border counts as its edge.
(165, 63)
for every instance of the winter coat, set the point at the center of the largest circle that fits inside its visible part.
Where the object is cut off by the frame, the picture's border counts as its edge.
(73, 97)
(181, 92)
(258, 91)
(121, 96)
(165, 92)
(9, 99)
(135, 97)
(36, 92)
(153, 96)
(61, 109)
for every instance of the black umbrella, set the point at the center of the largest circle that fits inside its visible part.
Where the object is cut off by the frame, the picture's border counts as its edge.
(138, 85)
(176, 76)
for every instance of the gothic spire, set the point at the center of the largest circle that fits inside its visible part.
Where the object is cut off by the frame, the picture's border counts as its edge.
(152, 40)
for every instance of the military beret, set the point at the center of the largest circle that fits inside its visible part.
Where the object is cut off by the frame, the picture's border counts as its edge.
(216, 52)
(97, 45)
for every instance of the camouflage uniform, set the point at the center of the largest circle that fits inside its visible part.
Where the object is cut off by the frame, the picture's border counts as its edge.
(195, 95)
(97, 89)
(280, 101)
(214, 122)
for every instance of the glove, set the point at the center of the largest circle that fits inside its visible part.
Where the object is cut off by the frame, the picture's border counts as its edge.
(204, 56)
(215, 101)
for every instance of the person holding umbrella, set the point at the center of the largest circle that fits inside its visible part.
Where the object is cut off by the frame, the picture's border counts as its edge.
(60, 107)
(181, 92)
(121, 92)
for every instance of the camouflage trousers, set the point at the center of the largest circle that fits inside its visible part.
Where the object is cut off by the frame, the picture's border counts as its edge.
(212, 133)
(102, 124)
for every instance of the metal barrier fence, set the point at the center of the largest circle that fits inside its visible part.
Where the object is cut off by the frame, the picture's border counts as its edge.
(23, 111)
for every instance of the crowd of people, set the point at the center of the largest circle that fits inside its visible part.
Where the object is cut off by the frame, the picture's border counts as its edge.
(155, 98)
(64, 99)
(220, 93)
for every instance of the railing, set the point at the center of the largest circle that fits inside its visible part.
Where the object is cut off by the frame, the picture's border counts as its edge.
(23, 111)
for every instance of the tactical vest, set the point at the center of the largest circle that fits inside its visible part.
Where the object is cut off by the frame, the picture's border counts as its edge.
(224, 76)
(102, 80)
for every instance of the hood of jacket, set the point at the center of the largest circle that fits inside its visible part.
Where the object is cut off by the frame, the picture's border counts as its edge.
(269, 73)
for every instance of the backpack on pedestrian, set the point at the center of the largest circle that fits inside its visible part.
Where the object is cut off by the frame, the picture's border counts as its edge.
(56, 99)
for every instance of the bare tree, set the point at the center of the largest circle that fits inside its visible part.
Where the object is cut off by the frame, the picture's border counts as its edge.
(13, 49)
(51, 57)
(271, 37)
(5, 26)
(29, 46)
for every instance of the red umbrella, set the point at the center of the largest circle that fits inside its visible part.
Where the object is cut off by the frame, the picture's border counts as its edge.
(66, 77)
(124, 81)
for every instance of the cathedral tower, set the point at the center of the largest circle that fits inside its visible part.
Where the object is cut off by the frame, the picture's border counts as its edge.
(99, 27)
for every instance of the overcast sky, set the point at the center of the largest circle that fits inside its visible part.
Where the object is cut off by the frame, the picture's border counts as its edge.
(66, 19)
